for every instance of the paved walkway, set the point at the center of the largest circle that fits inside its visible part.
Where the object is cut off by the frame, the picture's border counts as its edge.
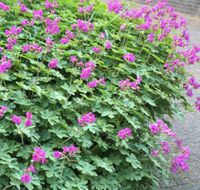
(189, 128)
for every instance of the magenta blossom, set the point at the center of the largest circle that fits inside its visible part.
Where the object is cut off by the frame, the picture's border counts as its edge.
(64, 40)
(96, 49)
(85, 73)
(108, 45)
(53, 63)
(71, 150)
(124, 133)
(73, 59)
(26, 178)
(16, 120)
(129, 57)
(39, 155)
(84, 26)
(31, 169)
(93, 84)
(5, 64)
(57, 154)
(86, 119)
(38, 14)
(28, 121)
(115, 5)
(52, 26)
(154, 153)
(23, 7)
(4, 7)
(3, 110)
(150, 37)
(90, 65)
(165, 147)
(198, 104)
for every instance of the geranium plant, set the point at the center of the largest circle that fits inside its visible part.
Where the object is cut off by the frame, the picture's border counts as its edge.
(84, 88)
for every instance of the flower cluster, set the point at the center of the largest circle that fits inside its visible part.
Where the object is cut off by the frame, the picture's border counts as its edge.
(3, 110)
(126, 84)
(198, 103)
(95, 83)
(52, 26)
(37, 14)
(49, 5)
(86, 72)
(70, 150)
(4, 7)
(28, 121)
(32, 48)
(129, 57)
(96, 49)
(68, 36)
(23, 7)
(115, 5)
(174, 64)
(17, 120)
(39, 155)
(84, 26)
(161, 127)
(190, 85)
(124, 133)
(86, 9)
(53, 63)
(5, 64)
(86, 119)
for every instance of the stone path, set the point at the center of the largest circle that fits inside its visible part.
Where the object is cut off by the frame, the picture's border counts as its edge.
(189, 128)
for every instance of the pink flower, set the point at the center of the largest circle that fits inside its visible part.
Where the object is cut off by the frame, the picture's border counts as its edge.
(5, 64)
(53, 63)
(154, 153)
(124, 133)
(28, 121)
(23, 7)
(154, 128)
(16, 120)
(49, 5)
(198, 104)
(165, 147)
(26, 178)
(86, 119)
(73, 59)
(14, 30)
(102, 35)
(71, 150)
(57, 154)
(108, 45)
(52, 26)
(150, 37)
(24, 22)
(84, 26)
(96, 49)
(38, 14)
(129, 57)
(4, 7)
(64, 40)
(69, 34)
(31, 169)
(115, 5)
(85, 73)
(90, 65)
(39, 155)
(123, 27)
(93, 84)
(179, 164)
(3, 110)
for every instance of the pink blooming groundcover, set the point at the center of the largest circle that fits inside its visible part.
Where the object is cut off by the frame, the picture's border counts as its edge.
(84, 88)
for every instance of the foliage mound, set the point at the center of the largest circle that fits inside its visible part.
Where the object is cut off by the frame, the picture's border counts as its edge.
(84, 86)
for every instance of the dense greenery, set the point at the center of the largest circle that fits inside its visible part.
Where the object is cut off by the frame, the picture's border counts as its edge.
(57, 97)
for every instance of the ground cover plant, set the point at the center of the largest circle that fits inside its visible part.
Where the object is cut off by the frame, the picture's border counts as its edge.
(85, 87)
